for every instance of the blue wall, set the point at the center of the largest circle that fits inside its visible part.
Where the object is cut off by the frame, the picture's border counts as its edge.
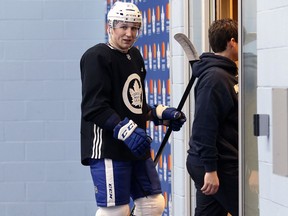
(41, 42)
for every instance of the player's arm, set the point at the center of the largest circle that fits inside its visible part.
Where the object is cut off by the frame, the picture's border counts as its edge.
(96, 90)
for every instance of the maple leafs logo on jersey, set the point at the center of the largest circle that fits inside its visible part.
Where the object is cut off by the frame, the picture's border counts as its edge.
(136, 94)
(133, 93)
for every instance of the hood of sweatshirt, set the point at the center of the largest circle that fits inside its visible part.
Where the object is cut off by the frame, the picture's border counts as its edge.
(209, 60)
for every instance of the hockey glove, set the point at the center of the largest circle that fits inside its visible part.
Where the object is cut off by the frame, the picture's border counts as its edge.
(169, 116)
(134, 137)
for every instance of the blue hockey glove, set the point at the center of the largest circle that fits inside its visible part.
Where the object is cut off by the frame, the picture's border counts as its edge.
(176, 124)
(169, 116)
(134, 137)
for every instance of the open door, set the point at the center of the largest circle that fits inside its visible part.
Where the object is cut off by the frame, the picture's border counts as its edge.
(201, 15)
(248, 152)
(227, 9)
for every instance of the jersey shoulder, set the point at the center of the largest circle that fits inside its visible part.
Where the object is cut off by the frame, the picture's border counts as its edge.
(98, 49)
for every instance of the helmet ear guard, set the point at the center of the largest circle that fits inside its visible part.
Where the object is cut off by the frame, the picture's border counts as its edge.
(124, 11)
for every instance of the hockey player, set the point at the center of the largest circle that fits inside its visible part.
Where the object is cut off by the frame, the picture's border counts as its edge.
(114, 142)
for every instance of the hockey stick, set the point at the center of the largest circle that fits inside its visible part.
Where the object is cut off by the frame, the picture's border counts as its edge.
(192, 56)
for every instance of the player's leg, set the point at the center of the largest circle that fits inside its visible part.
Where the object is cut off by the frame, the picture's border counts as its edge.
(150, 205)
(112, 186)
(115, 210)
(146, 189)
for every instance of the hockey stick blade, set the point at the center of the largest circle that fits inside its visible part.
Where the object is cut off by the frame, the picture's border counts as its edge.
(187, 46)
(192, 56)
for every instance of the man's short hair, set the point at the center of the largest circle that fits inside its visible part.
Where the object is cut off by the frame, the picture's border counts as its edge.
(220, 32)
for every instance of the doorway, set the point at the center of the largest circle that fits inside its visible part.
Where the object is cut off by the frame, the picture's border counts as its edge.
(248, 152)
(245, 13)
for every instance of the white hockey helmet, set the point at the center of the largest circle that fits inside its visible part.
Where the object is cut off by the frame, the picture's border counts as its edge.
(124, 11)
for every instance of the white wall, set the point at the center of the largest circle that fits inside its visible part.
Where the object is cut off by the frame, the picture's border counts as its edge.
(272, 34)
(41, 42)
(179, 80)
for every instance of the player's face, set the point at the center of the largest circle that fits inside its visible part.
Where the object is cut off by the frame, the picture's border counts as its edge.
(123, 35)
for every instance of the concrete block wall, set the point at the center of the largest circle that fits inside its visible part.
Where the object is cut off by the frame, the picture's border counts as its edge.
(41, 43)
(272, 33)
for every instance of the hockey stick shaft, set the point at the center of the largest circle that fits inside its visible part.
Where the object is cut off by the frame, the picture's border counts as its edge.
(169, 131)
(192, 56)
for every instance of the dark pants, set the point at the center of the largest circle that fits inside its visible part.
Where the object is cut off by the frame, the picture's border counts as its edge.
(224, 201)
